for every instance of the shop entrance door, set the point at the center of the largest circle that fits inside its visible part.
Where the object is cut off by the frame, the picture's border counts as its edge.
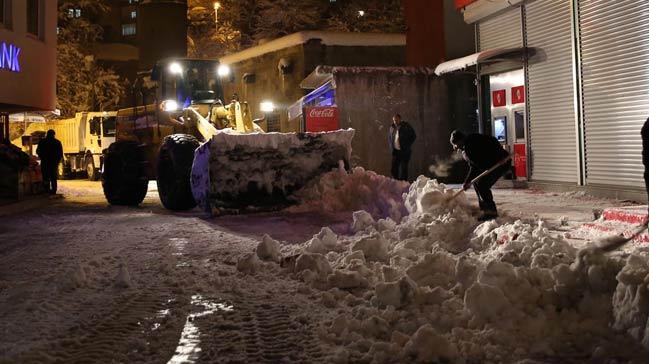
(508, 117)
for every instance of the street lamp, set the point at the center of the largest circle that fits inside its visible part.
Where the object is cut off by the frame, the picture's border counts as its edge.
(217, 6)
(361, 13)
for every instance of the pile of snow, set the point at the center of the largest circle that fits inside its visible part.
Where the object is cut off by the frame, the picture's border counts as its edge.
(439, 287)
(236, 169)
(359, 189)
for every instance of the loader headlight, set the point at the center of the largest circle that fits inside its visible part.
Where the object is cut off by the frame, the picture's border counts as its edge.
(223, 70)
(175, 68)
(267, 106)
(169, 105)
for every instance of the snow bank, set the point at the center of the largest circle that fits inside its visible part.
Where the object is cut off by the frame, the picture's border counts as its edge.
(439, 287)
(377, 195)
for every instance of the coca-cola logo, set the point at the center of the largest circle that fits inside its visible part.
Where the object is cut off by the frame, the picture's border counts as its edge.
(322, 113)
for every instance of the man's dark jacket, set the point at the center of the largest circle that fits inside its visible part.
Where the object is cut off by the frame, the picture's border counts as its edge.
(482, 152)
(407, 136)
(645, 143)
(50, 151)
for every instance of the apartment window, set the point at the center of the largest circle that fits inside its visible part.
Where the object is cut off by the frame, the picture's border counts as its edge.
(5, 14)
(34, 18)
(129, 29)
(133, 14)
(74, 13)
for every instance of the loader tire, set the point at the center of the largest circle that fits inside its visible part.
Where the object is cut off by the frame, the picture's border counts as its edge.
(124, 178)
(174, 170)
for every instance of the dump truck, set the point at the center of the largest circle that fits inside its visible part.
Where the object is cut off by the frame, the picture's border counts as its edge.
(203, 150)
(84, 137)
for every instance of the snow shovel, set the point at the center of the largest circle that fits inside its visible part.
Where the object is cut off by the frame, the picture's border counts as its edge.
(479, 177)
(609, 243)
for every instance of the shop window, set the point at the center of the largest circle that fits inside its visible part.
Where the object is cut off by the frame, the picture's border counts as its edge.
(34, 17)
(129, 29)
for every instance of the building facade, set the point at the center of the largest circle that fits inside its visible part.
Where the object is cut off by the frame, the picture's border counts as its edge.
(27, 58)
(564, 82)
(274, 71)
(137, 33)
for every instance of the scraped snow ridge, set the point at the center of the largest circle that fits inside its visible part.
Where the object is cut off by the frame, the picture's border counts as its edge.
(358, 190)
(439, 287)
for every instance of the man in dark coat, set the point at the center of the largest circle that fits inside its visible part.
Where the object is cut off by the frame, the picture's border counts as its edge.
(400, 140)
(645, 153)
(50, 151)
(482, 152)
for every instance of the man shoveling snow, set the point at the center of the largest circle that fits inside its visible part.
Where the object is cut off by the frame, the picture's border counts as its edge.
(482, 152)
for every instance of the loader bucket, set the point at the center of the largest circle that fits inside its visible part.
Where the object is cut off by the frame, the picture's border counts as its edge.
(262, 170)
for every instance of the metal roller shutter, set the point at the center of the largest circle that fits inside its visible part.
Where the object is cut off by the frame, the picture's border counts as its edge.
(551, 104)
(502, 31)
(615, 79)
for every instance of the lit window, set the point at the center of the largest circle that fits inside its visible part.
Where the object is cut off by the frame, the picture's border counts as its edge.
(129, 29)
(132, 1)
(133, 14)
(70, 13)
(77, 13)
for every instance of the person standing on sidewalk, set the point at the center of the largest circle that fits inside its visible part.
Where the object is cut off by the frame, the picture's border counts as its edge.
(400, 140)
(50, 151)
(481, 152)
(644, 132)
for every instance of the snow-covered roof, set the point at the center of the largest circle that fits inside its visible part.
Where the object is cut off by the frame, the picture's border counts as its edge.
(491, 55)
(326, 37)
(323, 74)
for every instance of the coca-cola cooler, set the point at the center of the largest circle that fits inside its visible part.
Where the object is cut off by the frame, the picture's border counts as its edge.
(321, 118)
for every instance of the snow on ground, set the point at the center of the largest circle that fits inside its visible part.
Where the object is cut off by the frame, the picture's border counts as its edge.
(81, 281)
(439, 287)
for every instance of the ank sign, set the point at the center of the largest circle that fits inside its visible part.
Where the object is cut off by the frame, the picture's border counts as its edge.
(321, 118)
(9, 57)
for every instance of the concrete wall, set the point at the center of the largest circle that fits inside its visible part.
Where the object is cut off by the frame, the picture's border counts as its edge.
(34, 87)
(284, 89)
(367, 100)
(425, 33)
(459, 37)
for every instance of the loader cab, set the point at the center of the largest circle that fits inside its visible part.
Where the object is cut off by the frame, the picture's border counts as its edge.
(184, 82)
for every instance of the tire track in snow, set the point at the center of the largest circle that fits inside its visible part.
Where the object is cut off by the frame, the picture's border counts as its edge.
(259, 333)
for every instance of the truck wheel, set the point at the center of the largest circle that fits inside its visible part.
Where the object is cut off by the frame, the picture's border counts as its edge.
(91, 170)
(124, 178)
(174, 170)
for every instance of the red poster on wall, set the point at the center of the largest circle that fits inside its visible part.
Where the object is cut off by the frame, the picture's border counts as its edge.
(520, 160)
(499, 98)
(321, 118)
(518, 95)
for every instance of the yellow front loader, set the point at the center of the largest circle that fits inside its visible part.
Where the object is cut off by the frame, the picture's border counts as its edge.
(202, 150)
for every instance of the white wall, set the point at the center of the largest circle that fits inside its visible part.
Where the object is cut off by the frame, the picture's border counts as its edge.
(34, 87)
